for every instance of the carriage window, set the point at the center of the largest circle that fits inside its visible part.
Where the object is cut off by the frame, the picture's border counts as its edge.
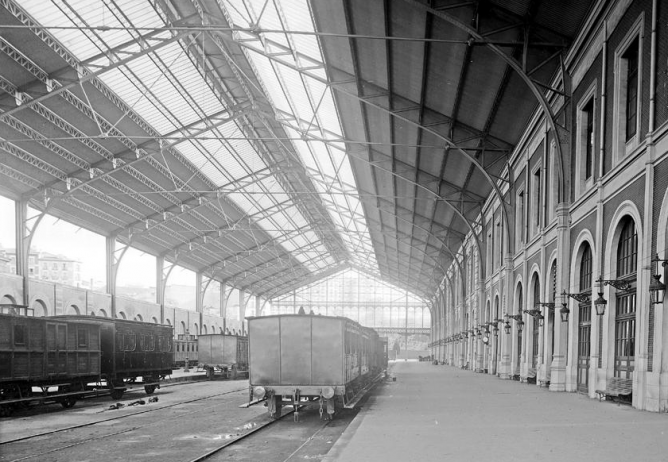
(119, 341)
(82, 338)
(19, 334)
(149, 343)
(130, 342)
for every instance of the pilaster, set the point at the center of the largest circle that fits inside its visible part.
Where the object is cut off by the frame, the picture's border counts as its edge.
(560, 353)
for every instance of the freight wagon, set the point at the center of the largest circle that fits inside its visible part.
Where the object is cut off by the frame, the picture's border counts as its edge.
(297, 357)
(227, 353)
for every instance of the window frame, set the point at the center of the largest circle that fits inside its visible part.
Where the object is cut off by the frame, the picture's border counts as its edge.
(86, 337)
(520, 225)
(582, 181)
(536, 198)
(622, 145)
(20, 340)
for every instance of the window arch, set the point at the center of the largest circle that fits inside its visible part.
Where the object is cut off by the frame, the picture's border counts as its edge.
(625, 303)
(536, 324)
(39, 308)
(584, 319)
(627, 249)
(586, 268)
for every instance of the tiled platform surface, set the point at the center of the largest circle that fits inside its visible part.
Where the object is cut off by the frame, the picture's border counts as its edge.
(441, 413)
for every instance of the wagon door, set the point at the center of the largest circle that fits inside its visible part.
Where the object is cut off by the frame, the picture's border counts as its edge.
(56, 348)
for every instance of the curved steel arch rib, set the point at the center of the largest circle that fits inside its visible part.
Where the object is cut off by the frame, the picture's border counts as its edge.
(517, 67)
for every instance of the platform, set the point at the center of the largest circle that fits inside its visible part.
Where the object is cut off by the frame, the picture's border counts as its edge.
(442, 413)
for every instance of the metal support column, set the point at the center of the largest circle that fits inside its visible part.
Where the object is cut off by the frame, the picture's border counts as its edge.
(23, 248)
(223, 304)
(242, 309)
(159, 288)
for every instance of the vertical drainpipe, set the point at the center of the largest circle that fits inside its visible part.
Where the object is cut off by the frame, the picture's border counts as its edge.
(652, 72)
(604, 68)
(597, 334)
(645, 367)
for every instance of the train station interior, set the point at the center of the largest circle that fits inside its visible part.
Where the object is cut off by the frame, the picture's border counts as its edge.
(483, 182)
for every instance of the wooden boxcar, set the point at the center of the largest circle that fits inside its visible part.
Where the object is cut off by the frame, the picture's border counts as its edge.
(228, 353)
(58, 356)
(314, 357)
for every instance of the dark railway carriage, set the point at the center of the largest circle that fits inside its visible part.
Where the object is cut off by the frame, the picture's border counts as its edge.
(385, 352)
(56, 356)
(132, 350)
(297, 357)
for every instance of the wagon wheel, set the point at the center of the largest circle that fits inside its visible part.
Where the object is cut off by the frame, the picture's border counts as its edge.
(26, 392)
(6, 410)
(68, 402)
(149, 389)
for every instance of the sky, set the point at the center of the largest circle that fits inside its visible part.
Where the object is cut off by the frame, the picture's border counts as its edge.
(59, 237)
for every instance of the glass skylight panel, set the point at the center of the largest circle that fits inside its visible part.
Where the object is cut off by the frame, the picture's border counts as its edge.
(166, 88)
(306, 99)
(203, 162)
(299, 18)
(297, 94)
(277, 192)
(270, 20)
(273, 87)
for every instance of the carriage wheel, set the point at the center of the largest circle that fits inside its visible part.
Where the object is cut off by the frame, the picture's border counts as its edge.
(117, 394)
(6, 410)
(149, 389)
(68, 402)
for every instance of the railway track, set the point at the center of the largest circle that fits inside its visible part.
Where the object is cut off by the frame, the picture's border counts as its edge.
(117, 417)
(209, 455)
(189, 430)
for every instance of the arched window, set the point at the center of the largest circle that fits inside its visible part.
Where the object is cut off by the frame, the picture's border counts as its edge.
(536, 323)
(586, 268)
(584, 319)
(625, 306)
(520, 304)
(627, 250)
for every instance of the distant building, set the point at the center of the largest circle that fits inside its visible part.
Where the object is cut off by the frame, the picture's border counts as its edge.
(4, 261)
(58, 268)
(46, 266)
